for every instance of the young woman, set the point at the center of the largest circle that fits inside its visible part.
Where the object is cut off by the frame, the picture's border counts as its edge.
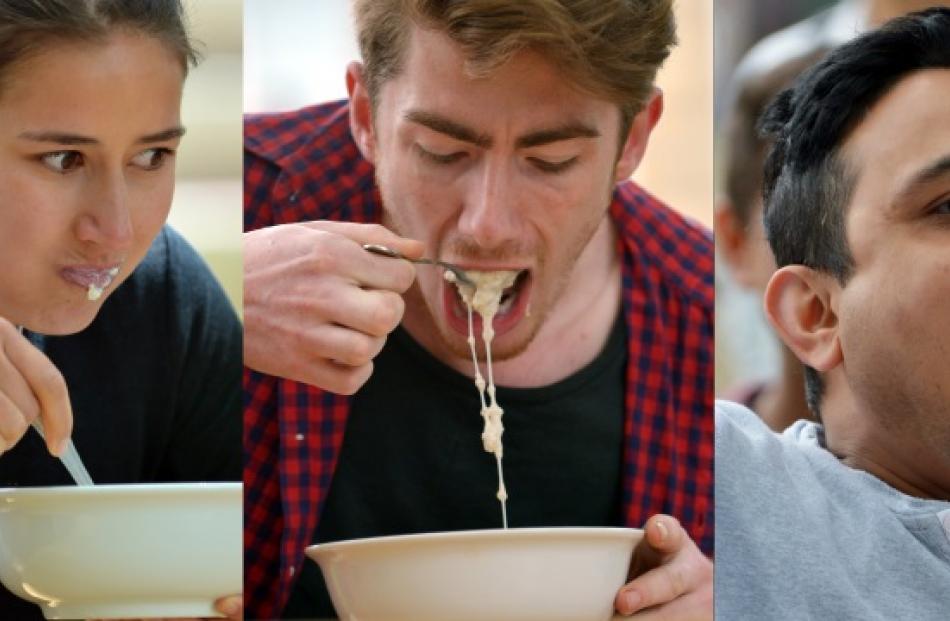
(112, 330)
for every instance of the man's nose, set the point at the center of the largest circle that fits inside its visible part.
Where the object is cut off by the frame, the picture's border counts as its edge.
(106, 219)
(490, 212)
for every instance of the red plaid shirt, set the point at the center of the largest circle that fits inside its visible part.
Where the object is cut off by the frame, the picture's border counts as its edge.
(304, 165)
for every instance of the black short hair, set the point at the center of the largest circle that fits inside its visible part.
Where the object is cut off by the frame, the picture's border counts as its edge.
(807, 186)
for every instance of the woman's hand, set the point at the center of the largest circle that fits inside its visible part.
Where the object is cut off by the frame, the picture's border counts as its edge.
(31, 387)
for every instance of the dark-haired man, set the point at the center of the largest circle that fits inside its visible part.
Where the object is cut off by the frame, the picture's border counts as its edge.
(850, 518)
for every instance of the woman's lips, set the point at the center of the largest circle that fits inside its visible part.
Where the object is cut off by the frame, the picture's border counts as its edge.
(94, 279)
(508, 316)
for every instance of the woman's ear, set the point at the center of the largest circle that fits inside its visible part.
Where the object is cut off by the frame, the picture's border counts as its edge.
(637, 138)
(801, 305)
(361, 112)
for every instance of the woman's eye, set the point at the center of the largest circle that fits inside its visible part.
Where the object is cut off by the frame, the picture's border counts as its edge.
(552, 167)
(942, 208)
(440, 158)
(152, 159)
(62, 161)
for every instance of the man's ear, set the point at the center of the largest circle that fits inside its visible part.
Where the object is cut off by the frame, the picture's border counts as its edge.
(636, 142)
(801, 305)
(361, 112)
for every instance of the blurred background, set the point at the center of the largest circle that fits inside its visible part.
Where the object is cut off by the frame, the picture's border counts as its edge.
(747, 353)
(296, 53)
(207, 205)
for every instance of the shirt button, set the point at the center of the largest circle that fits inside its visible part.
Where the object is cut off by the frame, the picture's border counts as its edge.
(299, 437)
(293, 197)
(292, 570)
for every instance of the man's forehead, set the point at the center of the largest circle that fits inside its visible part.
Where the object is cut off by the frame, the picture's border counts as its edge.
(528, 91)
(434, 60)
(904, 131)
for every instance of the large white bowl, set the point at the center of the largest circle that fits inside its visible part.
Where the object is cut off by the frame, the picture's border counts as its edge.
(531, 574)
(119, 551)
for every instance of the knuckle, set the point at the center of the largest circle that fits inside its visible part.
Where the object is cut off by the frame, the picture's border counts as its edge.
(386, 314)
(352, 380)
(52, 383)
(16, 427)
(405, 276)
(322, 260)
(361, 350)
(675, 578)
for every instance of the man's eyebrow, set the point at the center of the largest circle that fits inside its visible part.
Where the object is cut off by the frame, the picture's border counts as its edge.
(66, 138)
(442, 125)
(922, 177)
(564, 132)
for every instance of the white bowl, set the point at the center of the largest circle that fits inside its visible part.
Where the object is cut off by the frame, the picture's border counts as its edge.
(119, 551)
(530, 574)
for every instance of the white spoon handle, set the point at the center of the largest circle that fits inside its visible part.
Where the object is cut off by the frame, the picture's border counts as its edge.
(70, 459)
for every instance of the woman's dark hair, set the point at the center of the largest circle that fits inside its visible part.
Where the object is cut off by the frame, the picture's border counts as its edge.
(28, 26)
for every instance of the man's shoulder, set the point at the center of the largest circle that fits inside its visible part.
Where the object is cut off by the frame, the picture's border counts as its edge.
(304, 165)
(680, 249)
(277, 136)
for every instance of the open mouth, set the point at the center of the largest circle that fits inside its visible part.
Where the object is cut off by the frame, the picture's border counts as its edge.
(511, 308)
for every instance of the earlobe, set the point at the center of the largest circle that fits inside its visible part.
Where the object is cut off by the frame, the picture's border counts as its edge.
(361, 112)
(799, 303)
(638, 136)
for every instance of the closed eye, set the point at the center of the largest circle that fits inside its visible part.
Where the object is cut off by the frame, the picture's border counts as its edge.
(552, 167)
(440, 158)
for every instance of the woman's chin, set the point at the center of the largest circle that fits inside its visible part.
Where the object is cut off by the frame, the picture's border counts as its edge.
(62, 322)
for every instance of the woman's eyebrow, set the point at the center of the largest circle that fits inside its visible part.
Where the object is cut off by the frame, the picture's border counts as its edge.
(57, 137)
(67, 138)
(162, 136)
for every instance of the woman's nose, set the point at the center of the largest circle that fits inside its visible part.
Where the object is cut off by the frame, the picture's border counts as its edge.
(106, 219)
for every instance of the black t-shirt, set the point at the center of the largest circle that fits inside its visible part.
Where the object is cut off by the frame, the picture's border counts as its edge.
(412, 459)
(154, 382)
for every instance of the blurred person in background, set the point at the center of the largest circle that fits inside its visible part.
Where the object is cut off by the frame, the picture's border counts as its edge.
(493, 136)
(849, 517)
(112, 330)
(768, 67)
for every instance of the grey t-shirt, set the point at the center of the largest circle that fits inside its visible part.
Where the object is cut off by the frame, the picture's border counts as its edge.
(799, 535)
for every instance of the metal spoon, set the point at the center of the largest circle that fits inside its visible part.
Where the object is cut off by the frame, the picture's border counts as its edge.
(386, 251)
